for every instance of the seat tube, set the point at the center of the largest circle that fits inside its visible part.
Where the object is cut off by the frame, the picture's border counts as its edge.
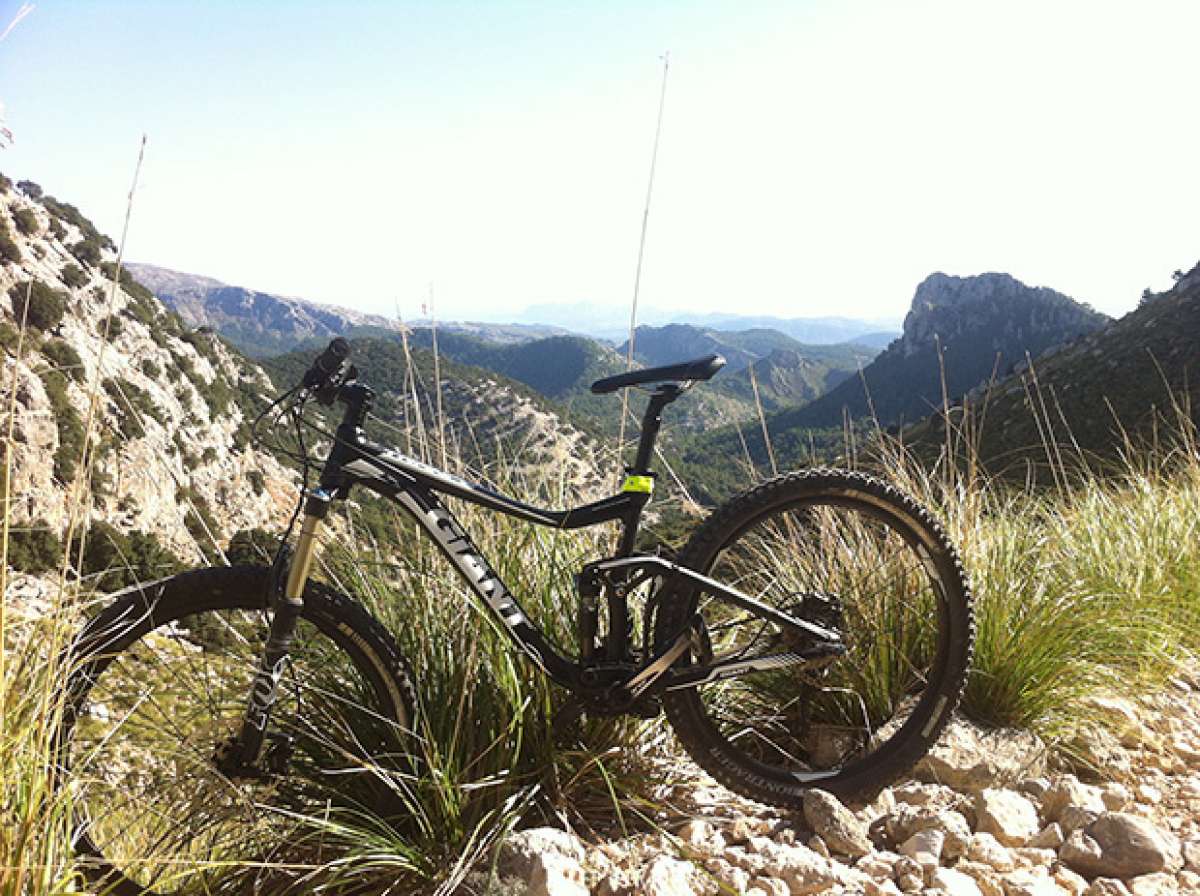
(618, 599)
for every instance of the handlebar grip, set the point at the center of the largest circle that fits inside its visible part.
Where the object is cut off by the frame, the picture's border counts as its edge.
(327, 363)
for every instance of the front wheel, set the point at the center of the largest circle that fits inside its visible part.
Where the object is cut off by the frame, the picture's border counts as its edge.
(847, 552)
(161, 681)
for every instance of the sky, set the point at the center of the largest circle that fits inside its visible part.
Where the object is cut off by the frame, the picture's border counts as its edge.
(816, 158)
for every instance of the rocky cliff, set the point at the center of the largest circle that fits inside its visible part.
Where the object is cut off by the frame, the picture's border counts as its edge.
(1130, 384)
(94, 363)
(959, 332)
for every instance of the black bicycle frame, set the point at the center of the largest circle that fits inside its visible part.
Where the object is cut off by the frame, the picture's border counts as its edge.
(355, 460)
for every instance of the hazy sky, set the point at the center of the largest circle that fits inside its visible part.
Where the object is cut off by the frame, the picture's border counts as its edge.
(816, 158)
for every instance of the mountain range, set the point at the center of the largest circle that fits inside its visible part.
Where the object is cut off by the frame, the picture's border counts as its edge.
(263, 324)
(960, 333)
(1026, 360)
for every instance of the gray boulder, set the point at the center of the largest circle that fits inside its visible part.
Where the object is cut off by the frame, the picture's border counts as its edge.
(1121, 845)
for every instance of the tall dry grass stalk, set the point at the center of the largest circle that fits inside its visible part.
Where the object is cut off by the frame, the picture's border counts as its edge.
(35, 813)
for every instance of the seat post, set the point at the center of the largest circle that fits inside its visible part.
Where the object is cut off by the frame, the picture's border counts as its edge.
(651, 422)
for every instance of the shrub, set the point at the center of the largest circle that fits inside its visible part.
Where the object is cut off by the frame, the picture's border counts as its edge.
(141, 310)
(133, 406)
(199, 521)
(150, 368)
(57, 230)
(255, 546)
(34, 549)
(38, 304)
(101, 481)
(5, 184)
(8, 336)
(70, 428)
(113, 326)
(72, 215)
(87, 251)
(10, 252)
(73, 275)
(30, 189)
(64, 357)
(257, 481)
(117, 560)
(26, 221)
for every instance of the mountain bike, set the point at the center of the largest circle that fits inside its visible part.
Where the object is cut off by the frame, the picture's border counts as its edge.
(815, 631)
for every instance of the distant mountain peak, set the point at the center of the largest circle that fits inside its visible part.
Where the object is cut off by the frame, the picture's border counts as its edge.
(945, 306)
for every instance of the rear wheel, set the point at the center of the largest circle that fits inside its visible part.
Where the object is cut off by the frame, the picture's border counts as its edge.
(163, 675)
(846, 552)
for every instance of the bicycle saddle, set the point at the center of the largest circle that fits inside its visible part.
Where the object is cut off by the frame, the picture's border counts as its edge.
(696, 369)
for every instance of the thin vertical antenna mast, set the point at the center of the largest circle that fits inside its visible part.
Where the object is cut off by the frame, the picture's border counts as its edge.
(637, 277)
(437, 381)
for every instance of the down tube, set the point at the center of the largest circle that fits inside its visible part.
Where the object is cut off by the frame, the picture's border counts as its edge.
(461, 551)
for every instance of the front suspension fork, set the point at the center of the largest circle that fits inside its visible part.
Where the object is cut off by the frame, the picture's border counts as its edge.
(248, 745)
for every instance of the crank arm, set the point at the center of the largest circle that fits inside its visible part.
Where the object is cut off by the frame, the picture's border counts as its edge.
(809, 658)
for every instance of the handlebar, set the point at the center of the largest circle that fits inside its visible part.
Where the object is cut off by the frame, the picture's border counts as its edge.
(327, 365)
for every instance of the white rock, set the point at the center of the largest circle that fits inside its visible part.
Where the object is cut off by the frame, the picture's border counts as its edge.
(1189, 882)
(667, 876)
(1009, 817)
(1116, 796)
(518, 851)
(1191, 855)
(954, 883)
(1148, 793)
(702, 837)
(1068, 790)
(925, 847)
(1159, 884)
(553, 874)
(1068, 880)
(804, 870)
(987, 850)
(1030, 883)
(772, 886)
(1033, 857)
(842, 832)
(878, 865)
(1049, 837)
(986, 878)
(968, 757)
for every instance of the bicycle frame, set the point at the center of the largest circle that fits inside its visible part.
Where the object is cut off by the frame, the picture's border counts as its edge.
(355, 460)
